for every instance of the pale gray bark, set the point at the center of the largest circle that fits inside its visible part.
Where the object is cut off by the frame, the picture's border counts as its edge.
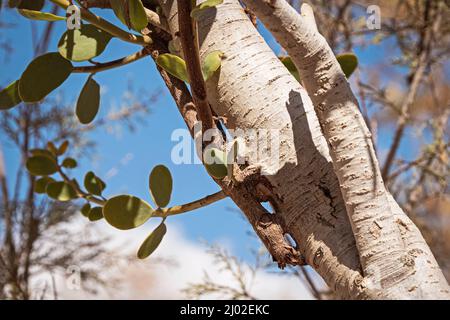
(254, 90)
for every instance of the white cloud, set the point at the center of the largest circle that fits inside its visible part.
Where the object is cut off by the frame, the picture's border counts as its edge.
(176, 263)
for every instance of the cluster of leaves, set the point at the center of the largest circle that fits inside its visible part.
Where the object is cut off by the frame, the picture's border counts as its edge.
(47, 72)
(44, 163)
(123, 212)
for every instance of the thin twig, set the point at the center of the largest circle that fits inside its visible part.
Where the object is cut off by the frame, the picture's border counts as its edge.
(99, 67)
(414, 87)
(160, 212)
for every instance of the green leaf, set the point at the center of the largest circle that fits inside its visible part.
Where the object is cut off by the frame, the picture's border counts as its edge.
(40, 184)
(52, 148)
(118, 7)
(38, 15)
(211, 64)
(61, 191)
(9, 97)
(88, 102)
(126, 212)
(43, 152)
(41, 165)
(136, 18)
(215, 162)
(173, 65)
(86, 209)
(14, 3)
(63, 148)
(161, 183)
(29, 4)
(69, 163)
(152, 242)
(83, 44)
(93, 184)
(95, 214)
(287, 61)
(348, 62)
(43, 75)
(195, 13)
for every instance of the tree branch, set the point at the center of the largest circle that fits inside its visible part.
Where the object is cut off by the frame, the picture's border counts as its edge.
(161, 212)
(189, 45)
(99, 67)
(402, 121)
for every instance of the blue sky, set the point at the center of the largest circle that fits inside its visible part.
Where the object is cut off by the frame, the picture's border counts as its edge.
(151, 144)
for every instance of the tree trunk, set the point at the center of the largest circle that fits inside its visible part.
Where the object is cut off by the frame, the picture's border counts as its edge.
(253, 90)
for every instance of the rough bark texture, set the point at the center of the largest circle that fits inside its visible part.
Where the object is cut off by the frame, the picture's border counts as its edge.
(254, 90)
(393, 254)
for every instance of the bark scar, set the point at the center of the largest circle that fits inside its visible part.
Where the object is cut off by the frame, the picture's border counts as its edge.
(268, 226)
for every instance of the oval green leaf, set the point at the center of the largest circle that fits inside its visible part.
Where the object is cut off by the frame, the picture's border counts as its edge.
(43, 75)
(136, 19)
(93, 184)
(152, 242)
(118, 7)
(29, 4)
(86, 209)
(38, 15)
(83, 44)
(41, 165)
(126, 212)
(348, 62)
(161, 184)
(88, 102)
(52, 148)
(215, 162)
(9, 97)
(69, 163)
(63, 148)
(42, 152)
(195, 13)
(13, 3)
(174, 65)
(40, 184)
(95, 214)
(61, 191)
(211, 64)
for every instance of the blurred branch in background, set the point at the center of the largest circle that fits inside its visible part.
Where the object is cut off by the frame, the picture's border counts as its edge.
(242, 276)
